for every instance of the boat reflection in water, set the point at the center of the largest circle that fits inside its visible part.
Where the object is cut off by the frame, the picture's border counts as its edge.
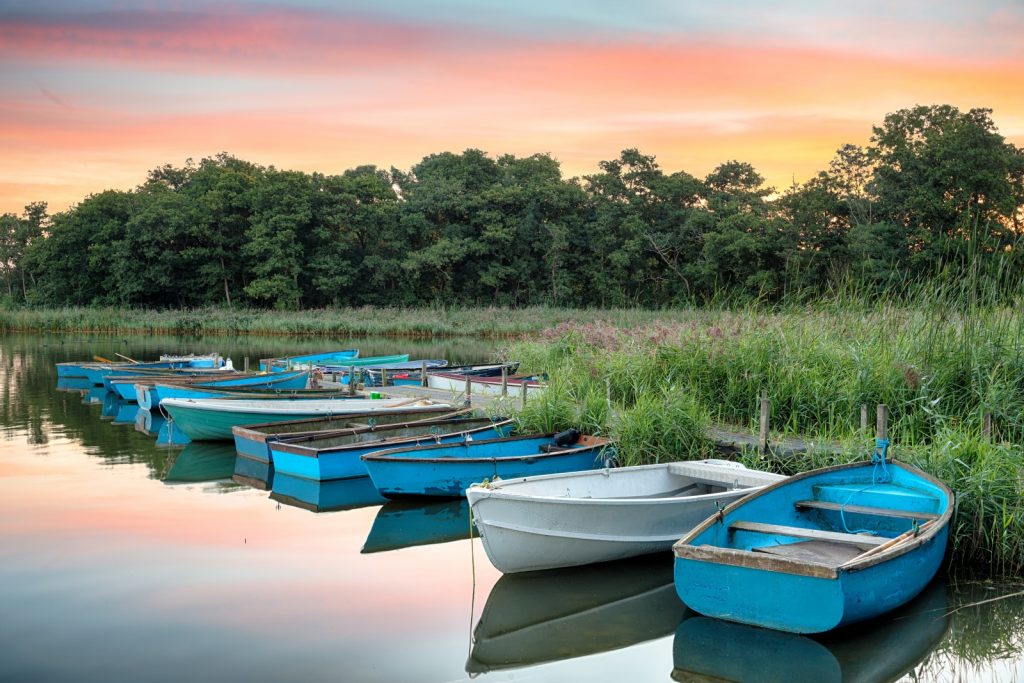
(322, 496)
(126, 413)
(78, 384)
(256, 474)
(406, 523)
(883, 649)
(537, 617)
(199, 462)
(158, 426)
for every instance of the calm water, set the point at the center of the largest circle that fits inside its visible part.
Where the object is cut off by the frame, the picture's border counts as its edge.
(122, 561)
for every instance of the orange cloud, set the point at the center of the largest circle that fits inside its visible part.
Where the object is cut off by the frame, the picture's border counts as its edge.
(326, 93)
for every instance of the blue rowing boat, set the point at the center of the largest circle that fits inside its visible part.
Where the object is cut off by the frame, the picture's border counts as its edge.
(253, 441)
(339, 457)
(447, 470)
(820, 550)
(151, 392)
(309, 359)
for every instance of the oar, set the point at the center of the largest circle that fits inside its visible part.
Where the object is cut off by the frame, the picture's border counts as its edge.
(121, 355)
(888, 544)
(101, 359)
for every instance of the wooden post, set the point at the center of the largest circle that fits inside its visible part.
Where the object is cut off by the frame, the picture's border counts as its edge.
(504, 381)
(766, 409)
(608, 391)
(469, 401)
(882, 422)
(522, 389)
(352, 380)
(424, 382)
(245, 364)
(383, 377)
(986, 426)
(863, 417)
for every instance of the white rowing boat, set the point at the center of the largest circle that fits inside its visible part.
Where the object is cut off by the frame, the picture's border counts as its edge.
(577, 518)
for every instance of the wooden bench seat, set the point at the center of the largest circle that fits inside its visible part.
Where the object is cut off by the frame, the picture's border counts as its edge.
(813, 534)
(863, 510)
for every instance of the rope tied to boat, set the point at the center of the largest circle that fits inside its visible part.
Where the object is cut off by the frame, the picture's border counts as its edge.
(879, 459)
(719, 511)
(879, 475)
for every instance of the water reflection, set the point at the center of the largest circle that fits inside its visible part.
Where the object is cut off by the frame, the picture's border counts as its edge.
(253, 473)
(402, 524)
(201, 462)
(327, 496)
(126, 413)
(156, 425)
(880, 650)
(538, 617)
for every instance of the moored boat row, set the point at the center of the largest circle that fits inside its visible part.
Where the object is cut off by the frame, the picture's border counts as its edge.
(804, 554)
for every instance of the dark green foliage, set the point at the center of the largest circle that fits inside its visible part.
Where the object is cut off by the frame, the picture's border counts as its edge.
(936, 190)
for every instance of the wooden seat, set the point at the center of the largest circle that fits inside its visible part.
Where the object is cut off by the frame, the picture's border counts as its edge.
(864, 510)
(813, 534)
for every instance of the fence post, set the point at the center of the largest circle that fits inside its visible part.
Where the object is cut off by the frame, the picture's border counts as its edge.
(352, 380)
(882, 422)
(986, 426)
(522, 390)
(863, 417)
(504, 381)
(469, 400)
(766, 408)
(383, 377)
(423, 374)
(245, 364)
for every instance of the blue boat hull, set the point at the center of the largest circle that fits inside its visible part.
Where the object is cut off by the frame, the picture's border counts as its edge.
(762, 576)
(447, 470)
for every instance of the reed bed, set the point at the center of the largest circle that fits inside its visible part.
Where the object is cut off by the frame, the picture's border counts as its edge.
(484, 322)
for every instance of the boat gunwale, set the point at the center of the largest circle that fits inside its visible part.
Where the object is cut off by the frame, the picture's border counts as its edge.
(287, 446)
(391, 454)
(500, 489)
(684, 549)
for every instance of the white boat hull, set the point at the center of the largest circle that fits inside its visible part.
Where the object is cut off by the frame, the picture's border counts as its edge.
(580, 518)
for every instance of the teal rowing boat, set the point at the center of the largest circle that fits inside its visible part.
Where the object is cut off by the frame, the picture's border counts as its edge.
(212, 419)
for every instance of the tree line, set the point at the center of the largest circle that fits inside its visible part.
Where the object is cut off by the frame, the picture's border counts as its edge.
(934, 189)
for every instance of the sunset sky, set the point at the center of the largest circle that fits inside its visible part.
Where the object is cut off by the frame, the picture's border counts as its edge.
(93, 95)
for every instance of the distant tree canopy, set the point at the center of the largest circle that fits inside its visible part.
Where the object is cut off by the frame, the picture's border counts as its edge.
(935, 189)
